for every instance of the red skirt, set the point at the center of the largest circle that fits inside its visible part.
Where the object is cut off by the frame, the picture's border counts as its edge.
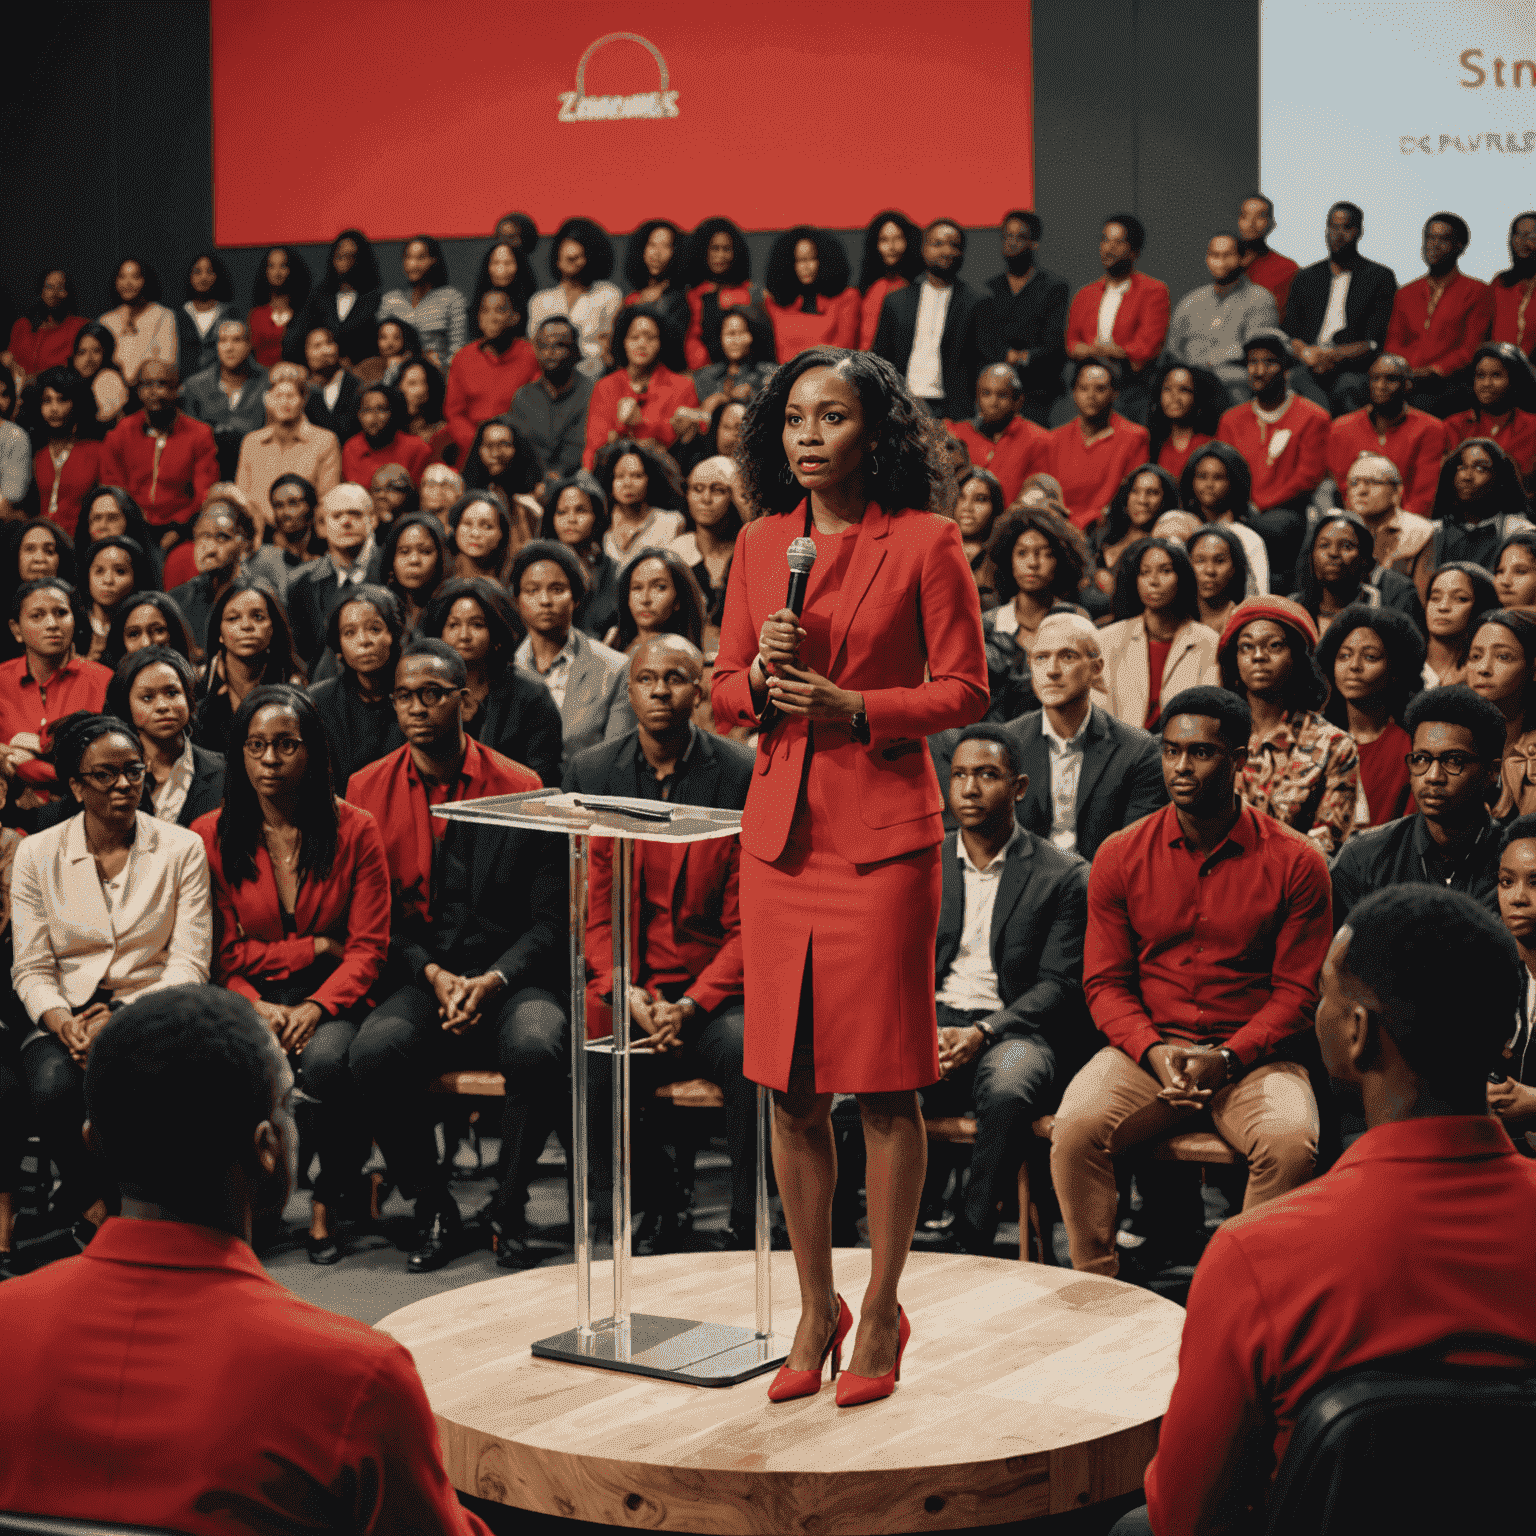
(867, 932)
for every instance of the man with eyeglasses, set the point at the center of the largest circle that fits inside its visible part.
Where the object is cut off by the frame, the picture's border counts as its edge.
(477, 973)
(1373, 488)
(1207, 924)
(1458, 739)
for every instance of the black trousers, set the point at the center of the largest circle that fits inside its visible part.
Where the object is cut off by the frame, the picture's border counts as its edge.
(341, 1136)
(56, 1087)
(402, 1045)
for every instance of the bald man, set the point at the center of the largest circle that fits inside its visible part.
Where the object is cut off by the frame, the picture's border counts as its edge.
(688, 996)
(345, 519)
(1373, 487)
(163, 458)
(997, 437)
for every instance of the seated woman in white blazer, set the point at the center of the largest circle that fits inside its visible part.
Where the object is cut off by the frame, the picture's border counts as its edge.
(105, 907)
(1157, 645)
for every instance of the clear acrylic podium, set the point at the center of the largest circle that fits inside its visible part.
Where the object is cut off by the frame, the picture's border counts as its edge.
(677, 1349)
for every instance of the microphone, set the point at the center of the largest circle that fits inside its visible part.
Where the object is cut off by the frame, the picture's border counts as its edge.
(801, 556)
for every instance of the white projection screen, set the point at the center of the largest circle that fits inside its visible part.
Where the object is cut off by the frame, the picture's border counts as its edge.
(1405, 108)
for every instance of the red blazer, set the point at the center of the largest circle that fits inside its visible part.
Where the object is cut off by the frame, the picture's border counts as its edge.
(694, 349)
(835, 323)
(481, 386)
(1013, 455)
(869, 309)
(353, 904)
(1274, 271)
(1416, 445)
(172, 489)
(82, 470)
(1514, 315)
(699, 884)
(1141, 325)
(360, 463)
(1090, 474)
(907, 635)
(165, 1379)
(1283, 468)
(1446, 340)
(37, 350)
(664, 394)
(1514, 433)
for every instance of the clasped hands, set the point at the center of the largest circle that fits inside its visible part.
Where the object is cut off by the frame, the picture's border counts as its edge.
(1190, 1074)
(295, 1023)
(461, 999)
(958, 1047)
(795, 690)
(76, 1031)
(661, 1020)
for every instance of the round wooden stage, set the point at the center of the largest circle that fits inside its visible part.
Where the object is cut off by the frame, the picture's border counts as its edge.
(1026, 1390)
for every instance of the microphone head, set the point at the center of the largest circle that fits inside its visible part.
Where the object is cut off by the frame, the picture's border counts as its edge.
(802, 555)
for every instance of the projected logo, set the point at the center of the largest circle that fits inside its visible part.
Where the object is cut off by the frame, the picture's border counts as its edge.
(577, 107)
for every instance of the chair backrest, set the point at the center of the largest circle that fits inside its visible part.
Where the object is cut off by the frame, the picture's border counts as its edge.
(1414, 1442)
(56, 1525)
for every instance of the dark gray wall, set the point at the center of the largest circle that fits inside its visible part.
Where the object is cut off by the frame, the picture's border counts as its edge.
(1145, 106)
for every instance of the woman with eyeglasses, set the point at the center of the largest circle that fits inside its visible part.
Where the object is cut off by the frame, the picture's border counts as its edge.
(1301, 769)
(105, 907)
(301, 896)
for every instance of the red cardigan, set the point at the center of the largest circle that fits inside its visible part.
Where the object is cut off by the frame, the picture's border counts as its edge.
(1509, 323)
(1274, 271)
(1013, 455)
(1446, 340)
(1141, 323)
(906, 634)
(694, 349)
(664, 394)
(835, 323)
(1514, 433)
(169, 487)
(481, 385)
(351, 904)
(869, 309)
(1090, 474)
(1416, 444)
(1169, 457)
(37, 350)
(82, 470)
(360, 463)
(1283, 467)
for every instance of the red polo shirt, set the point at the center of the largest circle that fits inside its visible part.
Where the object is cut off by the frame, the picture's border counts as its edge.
(163, 1379)
(1422, 1229)
(1514, 432)
(24, 707)
(360, 463)
(1446, 340)
(1286, 460)
(168, 476)
(1090, 473)
(1222, 949)
(1416, 443)
(1273, 271)
(481, 385)
(1013, 455)
(1141, 322)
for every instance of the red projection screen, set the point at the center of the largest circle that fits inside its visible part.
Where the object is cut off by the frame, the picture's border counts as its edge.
(401, 118)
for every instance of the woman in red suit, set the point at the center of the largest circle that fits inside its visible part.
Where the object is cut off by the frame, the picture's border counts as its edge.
(840, 873)
(809, 300)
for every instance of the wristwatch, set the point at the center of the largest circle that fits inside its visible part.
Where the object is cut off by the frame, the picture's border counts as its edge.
(1234, 1066)
(988, 1034)
(859, 726)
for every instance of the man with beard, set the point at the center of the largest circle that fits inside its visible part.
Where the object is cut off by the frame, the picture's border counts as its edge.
(1269, 269)
(1023, 320)
(1514, 316)
(1413, 439)
(927, 330)
(551, 412)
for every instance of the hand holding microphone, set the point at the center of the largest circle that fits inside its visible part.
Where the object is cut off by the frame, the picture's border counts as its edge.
(778, 645)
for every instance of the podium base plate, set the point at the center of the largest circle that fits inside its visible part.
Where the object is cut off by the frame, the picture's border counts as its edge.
(672, 1348)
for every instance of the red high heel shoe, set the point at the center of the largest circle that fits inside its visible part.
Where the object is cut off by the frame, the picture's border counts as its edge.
(866, 1389)
(788, 1383)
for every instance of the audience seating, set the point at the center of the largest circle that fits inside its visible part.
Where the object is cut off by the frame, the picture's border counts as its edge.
(960, 1131)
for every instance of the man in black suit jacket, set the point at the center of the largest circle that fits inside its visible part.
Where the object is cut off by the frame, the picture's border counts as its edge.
(1109, 774)
(1332, 368)
(346, 517)
(322, 356)
(943, 377)
(1023, 322)
(1009, 971)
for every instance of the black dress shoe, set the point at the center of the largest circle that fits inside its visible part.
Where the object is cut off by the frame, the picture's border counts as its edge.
(442, 1241)
(322, 1250)
(513, 1250)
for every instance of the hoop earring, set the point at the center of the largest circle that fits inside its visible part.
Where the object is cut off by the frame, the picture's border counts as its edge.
(786, 474)
(874, 466)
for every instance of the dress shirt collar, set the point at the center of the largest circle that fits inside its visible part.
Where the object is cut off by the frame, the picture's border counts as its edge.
(998, 860)
(356, 574)
(69, 669)
(1437, 1138)
(171, 1245)
(1427, 848)
(565, 657)
(468, 769)
(173, 793)
(1247, 831)
(1073, 743)
(77, 851)
(1005, 621)
(643, 765)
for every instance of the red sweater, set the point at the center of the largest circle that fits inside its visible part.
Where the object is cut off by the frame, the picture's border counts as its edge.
(869, 309)
(82, 470)
(1514, 433)
(1286, 460)
(168, 482)
(1514, 315)
(27, 709)
(481, 385)
(1416, 444)
(694, 349)
(51, 348)
(266, 338)
(1423, 1228)
(1446, 340)
(835, 323)
(1090, 474)
(1013, 455)
(664, 394)
(1274, 271)
(1141, 323)
(360, 463)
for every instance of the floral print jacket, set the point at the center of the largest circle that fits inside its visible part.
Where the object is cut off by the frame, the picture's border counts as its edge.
(1305, 773)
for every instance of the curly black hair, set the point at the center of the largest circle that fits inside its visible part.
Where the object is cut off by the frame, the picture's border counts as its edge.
(1067, 544)
(664, 486)
(1117, 520)
(1506, 496)
(912, 469)
(831, 272)
(1205, 413)
(593, 239)
(872, 267)
(636, 273)
(1400, 639)
(671, 355)
(1127, 603)
(696, 268)
(1239, 480)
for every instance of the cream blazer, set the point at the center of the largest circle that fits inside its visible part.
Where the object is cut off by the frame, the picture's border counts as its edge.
(1191, 663)
(68, 942)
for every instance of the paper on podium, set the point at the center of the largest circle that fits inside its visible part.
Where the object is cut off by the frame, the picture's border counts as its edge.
(553, 810)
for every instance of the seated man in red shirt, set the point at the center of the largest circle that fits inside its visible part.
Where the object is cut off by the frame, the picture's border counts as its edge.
(1413, 440)
(1269, 269)
(204, 1397)
(1091, 454)
(1441, 319)
(1422, 1230)
(163, 458)
(1207, 922)
(998, 437)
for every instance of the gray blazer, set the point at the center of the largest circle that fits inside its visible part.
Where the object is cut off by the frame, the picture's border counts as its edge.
(596, 707)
